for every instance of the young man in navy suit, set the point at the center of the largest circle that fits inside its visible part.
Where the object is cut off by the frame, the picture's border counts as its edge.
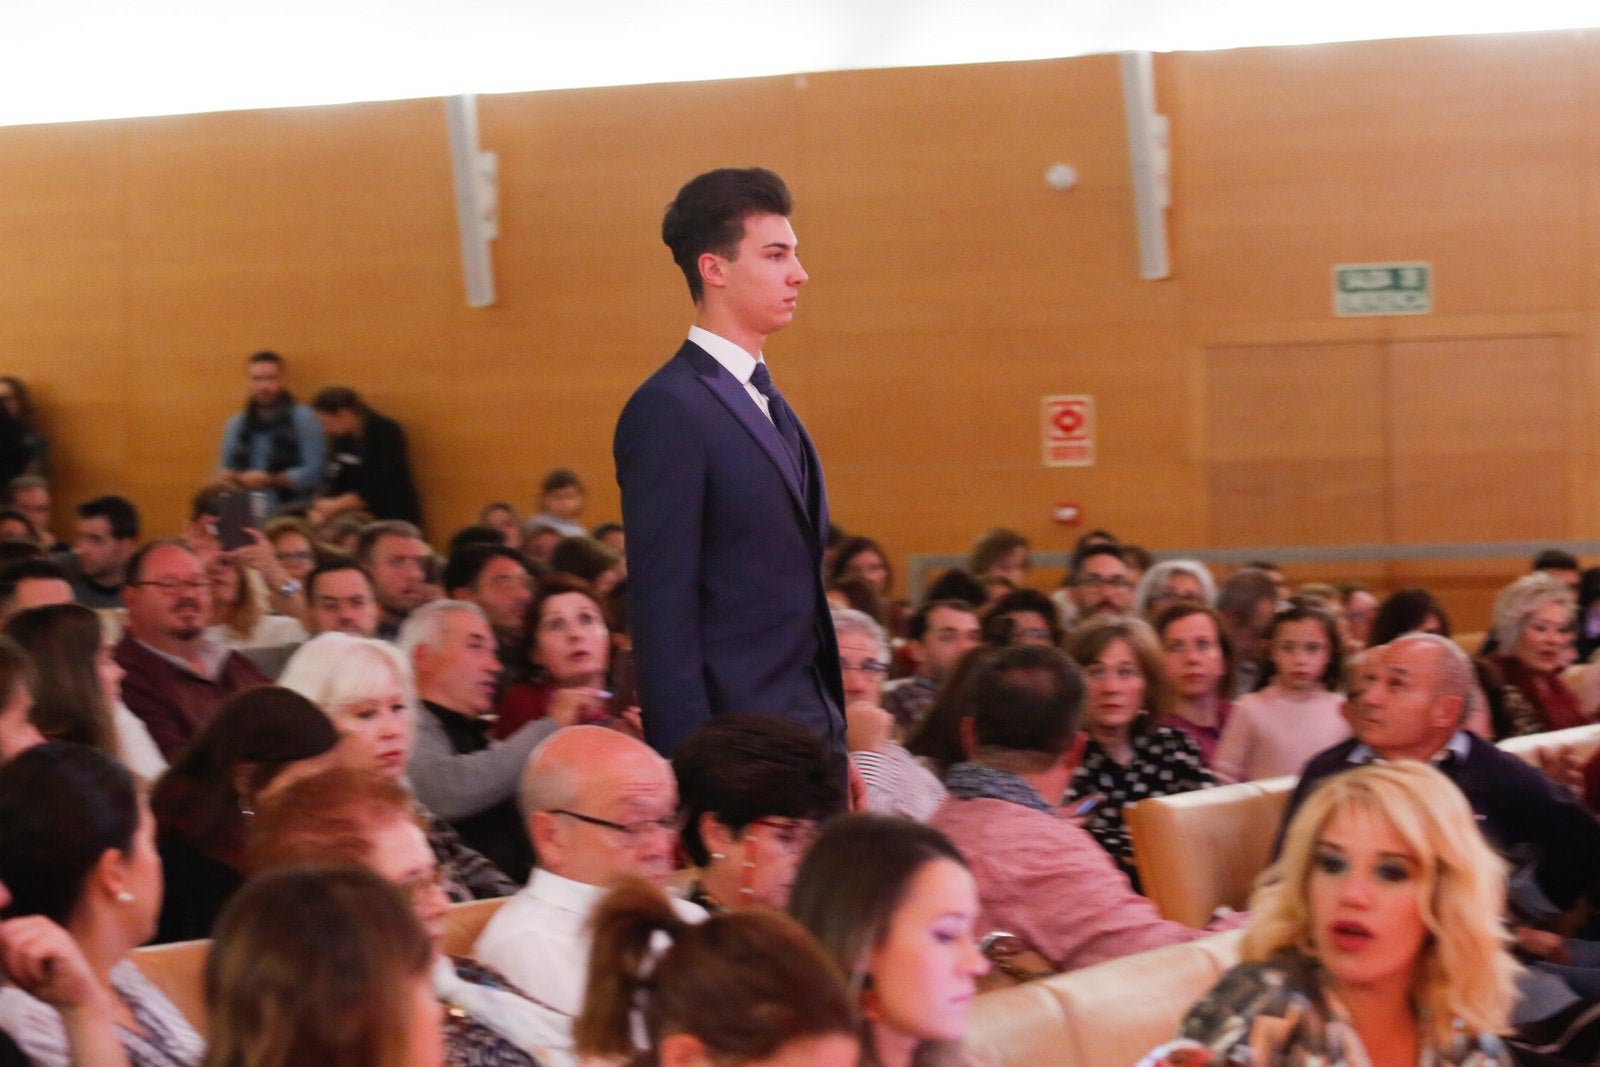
(722, 492)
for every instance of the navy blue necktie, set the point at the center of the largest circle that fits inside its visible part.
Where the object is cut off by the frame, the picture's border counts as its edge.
(782, 417)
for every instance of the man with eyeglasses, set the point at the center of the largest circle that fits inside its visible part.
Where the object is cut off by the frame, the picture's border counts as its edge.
(496, 579)
(1101, 582)
(598, 805)
(175, 676)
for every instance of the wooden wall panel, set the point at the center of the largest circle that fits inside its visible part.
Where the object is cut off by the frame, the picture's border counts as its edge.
(951, 289)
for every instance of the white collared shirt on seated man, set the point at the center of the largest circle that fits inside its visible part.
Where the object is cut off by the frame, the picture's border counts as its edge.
(598, 805)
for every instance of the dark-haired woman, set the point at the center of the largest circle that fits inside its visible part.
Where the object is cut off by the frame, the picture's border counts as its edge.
(751, 791)
(262, 740)
(77, 846)
(892, 903)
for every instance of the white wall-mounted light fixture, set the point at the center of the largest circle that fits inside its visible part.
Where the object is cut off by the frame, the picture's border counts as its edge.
(476, 175)
(1150, 154)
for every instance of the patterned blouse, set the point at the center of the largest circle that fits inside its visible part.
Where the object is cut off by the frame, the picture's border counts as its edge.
(1276, 1014)
(470, 1042)
(164, 1037)
(1165, 761)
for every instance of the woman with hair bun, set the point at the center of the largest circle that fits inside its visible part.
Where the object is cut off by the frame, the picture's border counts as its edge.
(744, 988)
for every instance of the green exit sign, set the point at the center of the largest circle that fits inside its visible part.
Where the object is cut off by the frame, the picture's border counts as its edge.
(1382, 289)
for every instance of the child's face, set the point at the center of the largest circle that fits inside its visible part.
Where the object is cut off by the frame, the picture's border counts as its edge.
(1300, 653)
(564, 503)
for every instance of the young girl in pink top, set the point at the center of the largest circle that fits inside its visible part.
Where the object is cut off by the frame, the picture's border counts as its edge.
(1276, 729)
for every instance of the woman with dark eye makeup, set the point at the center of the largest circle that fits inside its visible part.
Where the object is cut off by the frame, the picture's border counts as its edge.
(1375, 940)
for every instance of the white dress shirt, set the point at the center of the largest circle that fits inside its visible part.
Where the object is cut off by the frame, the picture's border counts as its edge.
(735, 360)
(540, 940)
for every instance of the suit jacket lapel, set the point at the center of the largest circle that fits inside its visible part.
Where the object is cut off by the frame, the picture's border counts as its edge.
(742, 407)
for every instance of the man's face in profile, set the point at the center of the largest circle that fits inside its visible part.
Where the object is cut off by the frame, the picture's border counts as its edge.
(761, 283)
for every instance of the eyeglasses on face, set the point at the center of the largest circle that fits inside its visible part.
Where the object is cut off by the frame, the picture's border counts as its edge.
(633, 831)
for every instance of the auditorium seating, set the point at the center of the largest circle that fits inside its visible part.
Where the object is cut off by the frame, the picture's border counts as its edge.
(1107, 1015)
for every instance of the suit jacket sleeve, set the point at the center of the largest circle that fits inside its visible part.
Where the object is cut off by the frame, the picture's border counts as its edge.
(661, 470)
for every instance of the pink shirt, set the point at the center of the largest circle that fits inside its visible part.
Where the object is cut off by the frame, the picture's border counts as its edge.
(1048, 882)
(1274, 732)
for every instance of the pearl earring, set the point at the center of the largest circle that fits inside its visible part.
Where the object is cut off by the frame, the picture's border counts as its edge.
(125, 897)
(719, 855)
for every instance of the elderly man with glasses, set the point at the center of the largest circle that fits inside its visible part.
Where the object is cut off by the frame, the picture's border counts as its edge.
(176, 676)
(598, 805)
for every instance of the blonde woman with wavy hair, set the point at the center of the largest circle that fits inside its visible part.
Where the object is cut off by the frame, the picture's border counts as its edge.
(1375, 939)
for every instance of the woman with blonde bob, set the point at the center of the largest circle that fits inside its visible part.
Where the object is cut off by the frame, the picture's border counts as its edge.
(1376, 937)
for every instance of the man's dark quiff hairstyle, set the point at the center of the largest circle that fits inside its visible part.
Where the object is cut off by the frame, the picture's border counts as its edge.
(708, 216)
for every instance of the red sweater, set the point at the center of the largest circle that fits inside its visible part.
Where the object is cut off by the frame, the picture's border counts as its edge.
(173, 702)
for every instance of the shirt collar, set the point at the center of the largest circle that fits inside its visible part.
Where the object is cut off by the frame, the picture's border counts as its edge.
(563, 893)
(735, 360)
(1458, 747)
(211, 654)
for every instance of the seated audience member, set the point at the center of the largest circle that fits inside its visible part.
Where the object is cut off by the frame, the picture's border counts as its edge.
(1588, 614)
(17, 729)
(1533, 627)
(365, 687)
(30, 494)
(1000, 553)
(261, 740)
(612, 535)
(14, 552)
(1100, 583)
(396, 560)
(77, 847)
(854, 594)
(77, 685)
(339, 597)
(567, 657)
(1039, 875)
(1414, 710)
(497, 580)
(1300, 712)
(33, 583)
(539, 541)
(744, 989)
(294, 544)
(1247, 600)
(476, 536)
(342, 534)
(1360, 610)
(751, 791)
(237, 620)
(1197, 656)
(1408, 611)
(1174, 581)
(503, 517)
(599, 805)
(1379, 928)
(876, 892)
(42, 960)
(175, 676)
(589, 560)
(941, 741)
(15, 526)
(1560, 565)
(321, 965)
(896, 784)
(265, 582)
(18, 404)
(345, 816)
(458, 771)
(369, 468)
(862, 558)
(1023, 617)
(561, 500)
(108, 535)
(940, 633)
(957, 584)
(1129, 755)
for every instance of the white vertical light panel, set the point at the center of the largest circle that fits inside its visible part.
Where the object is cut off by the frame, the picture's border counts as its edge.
(477, 198)
(1150, 154)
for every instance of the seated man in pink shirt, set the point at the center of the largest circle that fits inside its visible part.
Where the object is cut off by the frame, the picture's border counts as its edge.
(1039, 876)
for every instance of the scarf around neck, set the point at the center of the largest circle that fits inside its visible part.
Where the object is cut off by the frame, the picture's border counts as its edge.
(974, 781)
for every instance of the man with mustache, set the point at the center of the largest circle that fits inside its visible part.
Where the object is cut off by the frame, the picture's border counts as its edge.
(175, 675)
